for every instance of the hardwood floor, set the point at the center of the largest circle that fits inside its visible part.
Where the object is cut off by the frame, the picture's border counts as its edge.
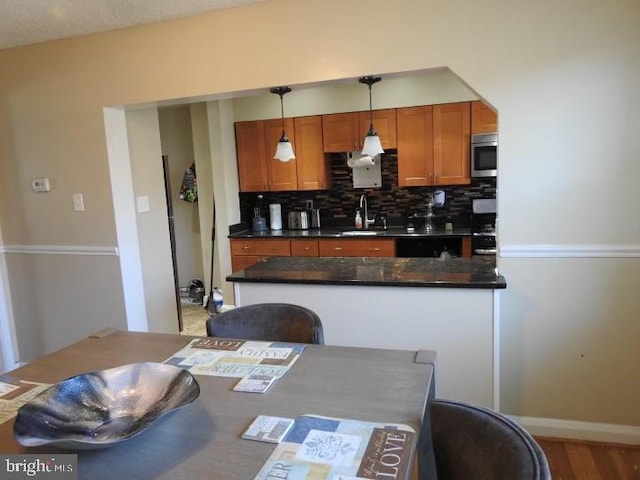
(576, 460)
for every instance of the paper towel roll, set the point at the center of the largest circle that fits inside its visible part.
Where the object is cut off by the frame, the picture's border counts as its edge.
(275, 215)
(363, 161)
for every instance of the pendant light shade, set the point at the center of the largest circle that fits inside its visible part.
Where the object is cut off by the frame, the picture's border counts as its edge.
(372, 145)
(284, 150)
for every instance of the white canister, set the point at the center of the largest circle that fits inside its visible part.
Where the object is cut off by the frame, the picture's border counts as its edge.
(275, 216)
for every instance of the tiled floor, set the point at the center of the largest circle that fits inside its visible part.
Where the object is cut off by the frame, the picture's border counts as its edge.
(193, 320)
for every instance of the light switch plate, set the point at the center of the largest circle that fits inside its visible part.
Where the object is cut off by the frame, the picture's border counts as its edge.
(142, 203)
(78, 202)
(40, 185)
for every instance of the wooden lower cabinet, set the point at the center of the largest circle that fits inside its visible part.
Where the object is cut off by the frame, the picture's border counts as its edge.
(347, 247)
(466, 247)
(304, 248)
(249, 251)
(257, 246)
(240, 262)
(246, 252)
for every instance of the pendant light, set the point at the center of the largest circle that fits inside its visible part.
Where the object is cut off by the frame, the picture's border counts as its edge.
(372, 145)
(284, 151)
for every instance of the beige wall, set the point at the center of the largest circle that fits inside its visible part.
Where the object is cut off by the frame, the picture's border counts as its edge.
(563, 77)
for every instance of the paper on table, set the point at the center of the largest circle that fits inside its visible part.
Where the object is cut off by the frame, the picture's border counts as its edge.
(254, 383)
(14, 393)
(268, 429)
(324, 448)
(237, 358)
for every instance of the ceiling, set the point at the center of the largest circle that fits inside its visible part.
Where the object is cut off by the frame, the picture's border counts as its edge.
(23, 22)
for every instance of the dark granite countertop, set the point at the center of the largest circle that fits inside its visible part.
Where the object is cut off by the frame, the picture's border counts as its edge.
(349, 232)
(476, 272)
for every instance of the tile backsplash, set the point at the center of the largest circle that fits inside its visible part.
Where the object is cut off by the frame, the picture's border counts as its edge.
(338, 204)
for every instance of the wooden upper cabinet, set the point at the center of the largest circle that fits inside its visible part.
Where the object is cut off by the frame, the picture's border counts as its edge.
(340, 132)
(256, 143)
(415, 146)
(252, 167)
(384, 122)
(483, 118)
(345, 132)
(282, 175)
(451, 143)
(434, 145)
(312, 170)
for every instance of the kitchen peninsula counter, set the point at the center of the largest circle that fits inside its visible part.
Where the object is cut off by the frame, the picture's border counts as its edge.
(476, 272)
(350, 232)
(450, 306)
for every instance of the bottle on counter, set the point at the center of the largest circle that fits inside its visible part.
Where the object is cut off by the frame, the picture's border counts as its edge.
(218, 300)
(358, 220)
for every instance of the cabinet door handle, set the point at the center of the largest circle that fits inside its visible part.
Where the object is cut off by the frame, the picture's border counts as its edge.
(246, 248)
(275, 248)
(306, 248)
(376, 249)
(337, 249)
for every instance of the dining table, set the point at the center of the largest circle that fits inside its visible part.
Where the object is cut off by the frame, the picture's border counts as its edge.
(202, 440)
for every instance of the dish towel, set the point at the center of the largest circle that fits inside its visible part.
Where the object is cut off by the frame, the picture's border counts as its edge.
(189, 187)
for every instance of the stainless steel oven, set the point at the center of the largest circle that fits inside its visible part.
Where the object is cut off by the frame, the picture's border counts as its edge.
(483, 226)
(484, 155)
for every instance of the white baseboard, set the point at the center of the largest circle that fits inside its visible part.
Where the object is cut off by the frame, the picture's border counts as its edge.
(573, 430)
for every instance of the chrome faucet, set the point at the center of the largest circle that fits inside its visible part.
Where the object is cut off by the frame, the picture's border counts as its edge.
(365, 220)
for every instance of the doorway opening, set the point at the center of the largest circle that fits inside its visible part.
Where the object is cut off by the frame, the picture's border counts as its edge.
(183, 215)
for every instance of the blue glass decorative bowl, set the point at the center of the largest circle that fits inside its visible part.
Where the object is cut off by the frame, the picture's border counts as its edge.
(98, 409)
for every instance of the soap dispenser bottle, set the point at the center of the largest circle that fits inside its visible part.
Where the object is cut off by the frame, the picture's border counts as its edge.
(358, 220)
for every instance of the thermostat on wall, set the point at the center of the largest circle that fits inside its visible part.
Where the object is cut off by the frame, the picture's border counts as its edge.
(40, 185)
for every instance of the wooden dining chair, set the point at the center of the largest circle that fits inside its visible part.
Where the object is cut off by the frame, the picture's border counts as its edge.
(473, 442)
(276, 322)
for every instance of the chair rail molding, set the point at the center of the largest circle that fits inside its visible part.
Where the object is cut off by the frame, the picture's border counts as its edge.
(60, 250)
(570, 251)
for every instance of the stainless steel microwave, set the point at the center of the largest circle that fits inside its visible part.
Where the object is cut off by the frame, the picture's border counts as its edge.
(484, 155)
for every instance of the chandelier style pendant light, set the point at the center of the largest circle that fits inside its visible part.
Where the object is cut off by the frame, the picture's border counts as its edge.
(372, 145)
(284, 151)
